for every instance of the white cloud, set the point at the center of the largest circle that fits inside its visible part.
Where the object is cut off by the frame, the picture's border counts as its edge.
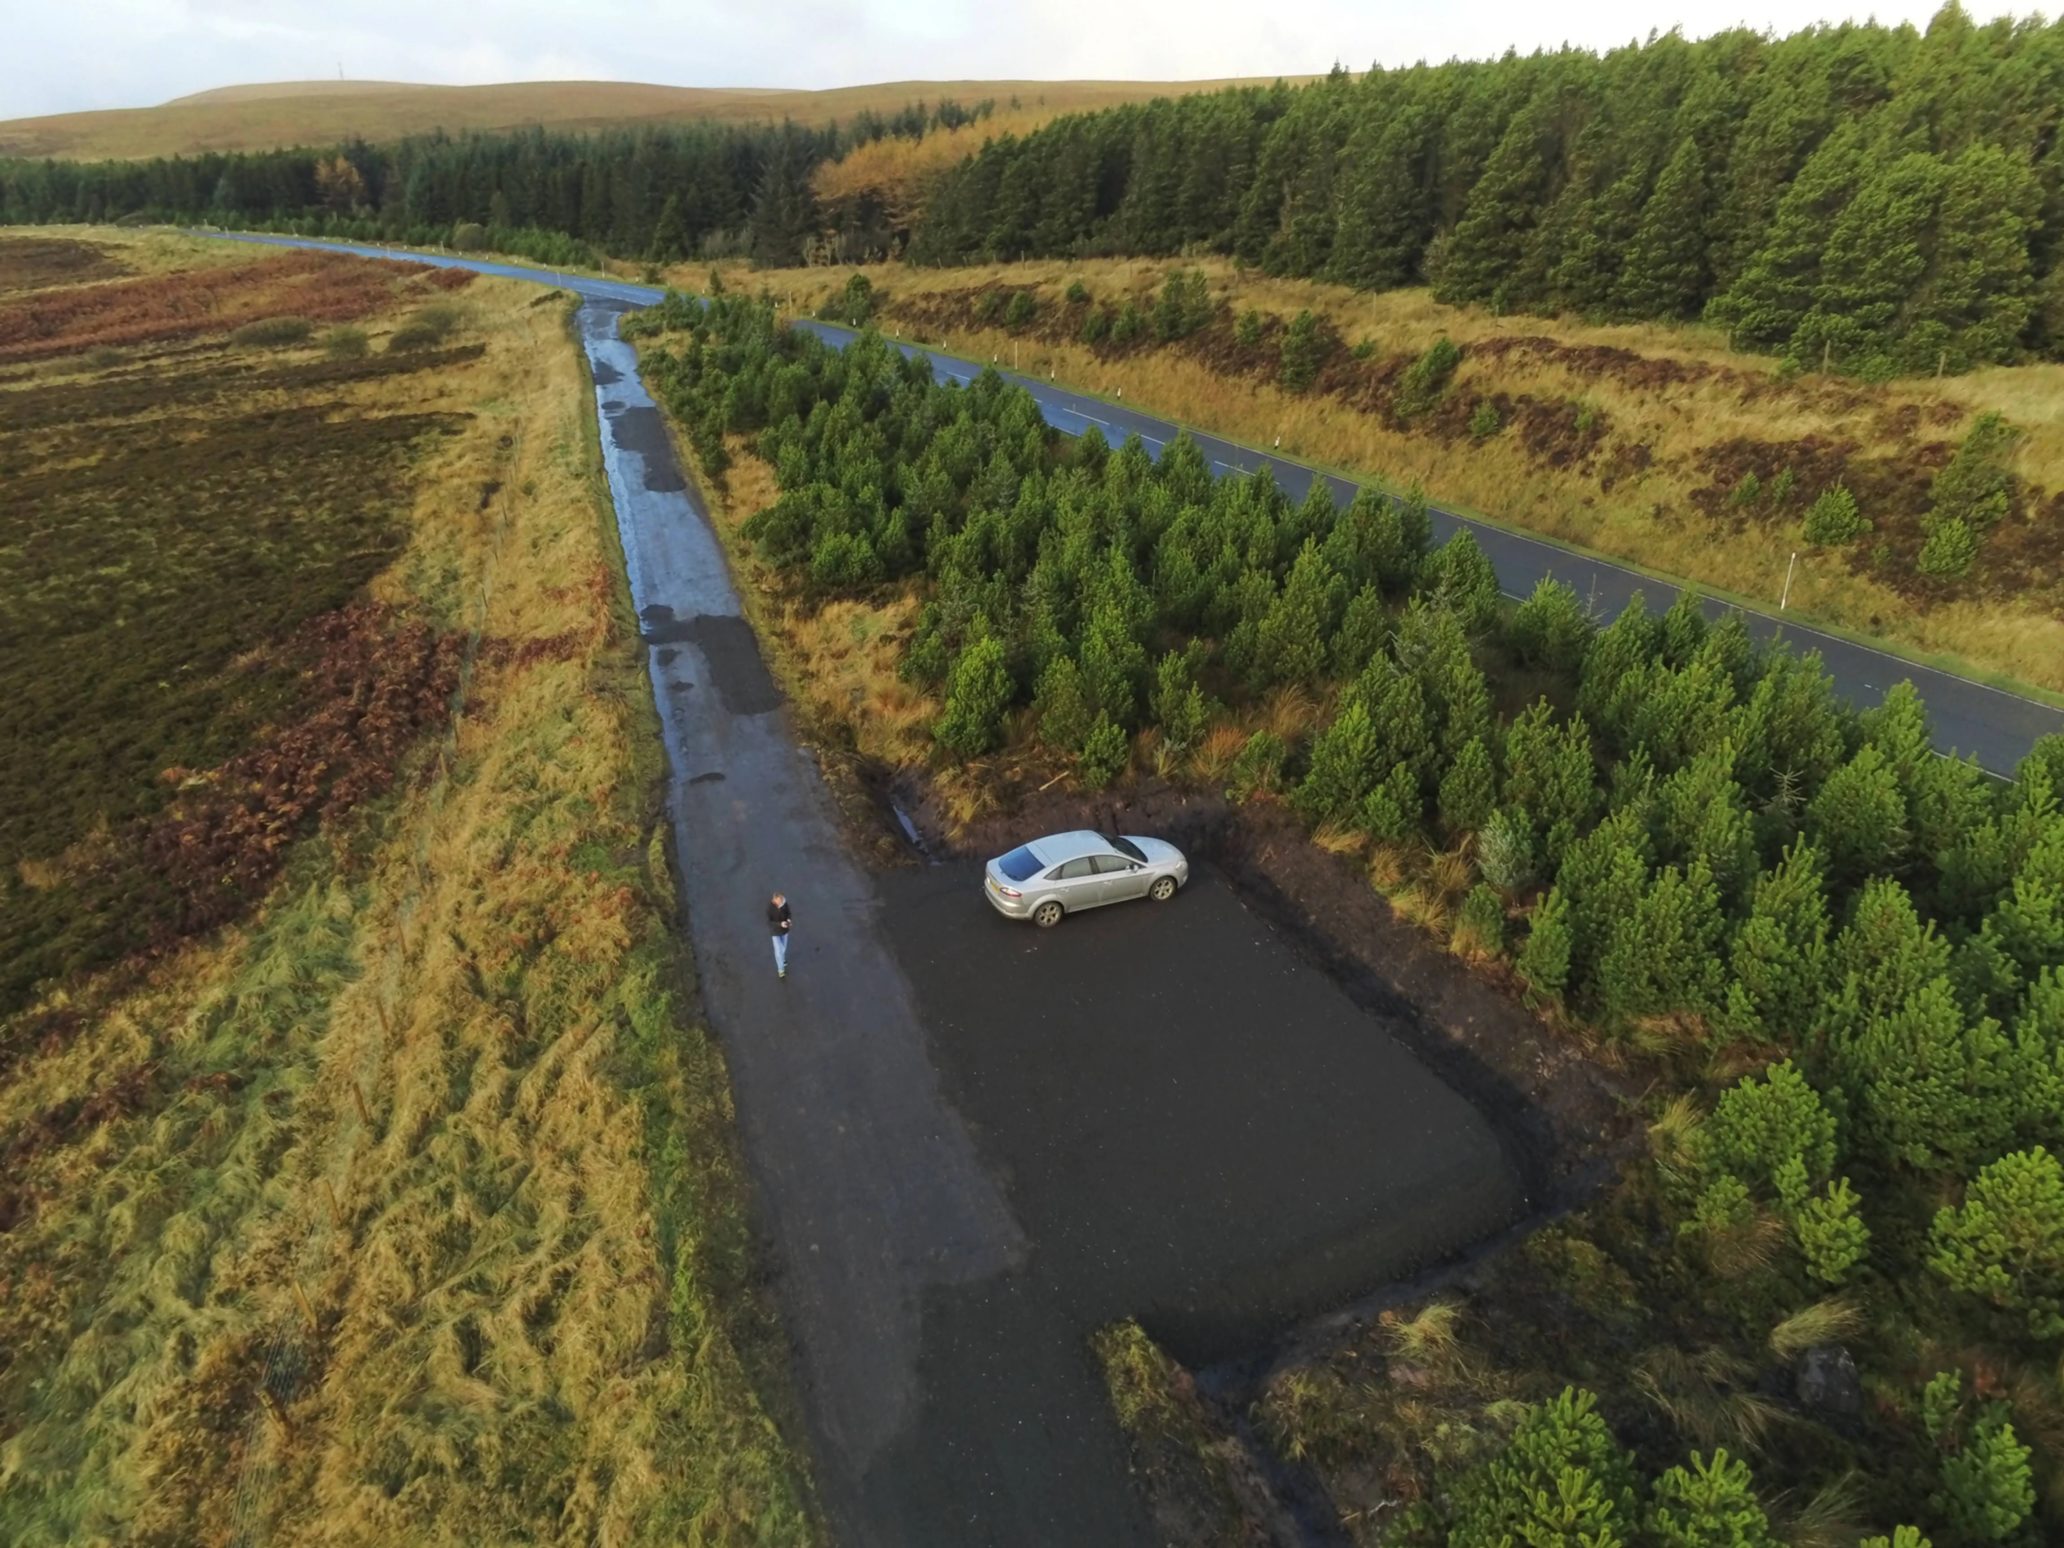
(130, 53)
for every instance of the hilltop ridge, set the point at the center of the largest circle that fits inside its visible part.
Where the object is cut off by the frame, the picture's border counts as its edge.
(269, 115)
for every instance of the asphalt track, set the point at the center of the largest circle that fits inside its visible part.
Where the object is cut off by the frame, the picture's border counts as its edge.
(1993, 725)
(972, 1143)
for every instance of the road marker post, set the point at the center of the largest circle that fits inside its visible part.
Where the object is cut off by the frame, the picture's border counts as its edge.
(1787, 594)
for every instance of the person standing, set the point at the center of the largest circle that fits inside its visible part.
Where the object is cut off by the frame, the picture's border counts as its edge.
(777, 924)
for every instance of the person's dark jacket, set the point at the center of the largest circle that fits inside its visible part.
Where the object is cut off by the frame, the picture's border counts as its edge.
(777, 918)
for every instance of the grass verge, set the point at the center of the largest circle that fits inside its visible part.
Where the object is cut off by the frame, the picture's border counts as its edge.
(408, 1209)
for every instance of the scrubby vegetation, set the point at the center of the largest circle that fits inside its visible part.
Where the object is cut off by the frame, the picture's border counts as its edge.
(402, 1205)
(1840, 955)
(1192, 1474)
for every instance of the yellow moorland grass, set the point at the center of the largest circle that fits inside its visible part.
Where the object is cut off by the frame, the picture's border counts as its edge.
(418, 1217)
(1647, 518)
(262, 117)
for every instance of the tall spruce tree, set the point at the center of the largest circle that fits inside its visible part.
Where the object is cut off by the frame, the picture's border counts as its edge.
(1574, 253)
(1665, 270)
(1859, 817)
(1932, 1088)
(784, 210)
(1662, 957)
(1488, 245)
(1296, 633)
(1875, 255)
(669, 233)
(1779, 283)
(1975, 298)
(1384, 222)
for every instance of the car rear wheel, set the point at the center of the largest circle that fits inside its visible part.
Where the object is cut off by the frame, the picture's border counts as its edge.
(1047, 915)
(1163, 889)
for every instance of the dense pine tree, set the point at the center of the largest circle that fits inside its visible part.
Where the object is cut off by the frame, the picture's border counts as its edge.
(1710, 1504)
(2005, 1242)
(1779, 284)
(1778, 958)
(1665, 270)
(1484, 254)
(1562, 1478)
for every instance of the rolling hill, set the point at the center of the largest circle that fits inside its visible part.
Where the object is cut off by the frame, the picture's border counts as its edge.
(264, 116)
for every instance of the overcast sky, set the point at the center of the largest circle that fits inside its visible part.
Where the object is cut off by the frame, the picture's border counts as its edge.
(65, 55)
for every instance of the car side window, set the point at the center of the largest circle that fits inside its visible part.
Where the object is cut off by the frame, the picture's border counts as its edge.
(1074, 870)
(1110, 865)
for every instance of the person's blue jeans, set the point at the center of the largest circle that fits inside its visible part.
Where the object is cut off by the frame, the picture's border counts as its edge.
(781, 954)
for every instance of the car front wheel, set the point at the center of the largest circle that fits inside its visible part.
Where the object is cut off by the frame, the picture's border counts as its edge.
(1047, 915)
(1163, 889)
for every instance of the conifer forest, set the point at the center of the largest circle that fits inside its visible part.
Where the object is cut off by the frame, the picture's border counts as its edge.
(1870, 199)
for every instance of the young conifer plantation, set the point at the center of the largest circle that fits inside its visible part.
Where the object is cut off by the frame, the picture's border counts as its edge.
(1843, 952)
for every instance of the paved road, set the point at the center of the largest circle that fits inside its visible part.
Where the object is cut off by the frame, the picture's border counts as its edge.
(867, 1183)
(1994, 726)
(1170, 1114)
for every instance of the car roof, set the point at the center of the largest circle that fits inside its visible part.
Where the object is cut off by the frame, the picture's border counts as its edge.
(1057, 847)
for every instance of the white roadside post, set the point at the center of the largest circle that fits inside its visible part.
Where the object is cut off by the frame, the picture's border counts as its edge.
(1787, 595)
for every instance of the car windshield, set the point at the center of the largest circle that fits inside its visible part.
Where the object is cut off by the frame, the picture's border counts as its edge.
(1126, 847)
(1019, 864)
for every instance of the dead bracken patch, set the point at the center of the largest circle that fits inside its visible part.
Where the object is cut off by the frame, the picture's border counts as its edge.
(1556, 433)
(177, 525)
(376, 684)
(153, 309)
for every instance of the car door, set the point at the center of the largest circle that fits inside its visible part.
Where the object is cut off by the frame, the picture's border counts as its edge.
(1122, 878)
(1076, 884)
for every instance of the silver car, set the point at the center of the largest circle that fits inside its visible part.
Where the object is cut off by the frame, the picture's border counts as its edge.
(1065, 873)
